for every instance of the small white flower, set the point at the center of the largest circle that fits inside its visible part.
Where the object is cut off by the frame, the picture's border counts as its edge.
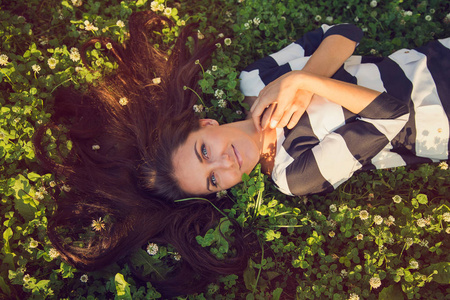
(329, 19)
(353, 296)
(177, 256)
(363, 214)
(200, 35)
(364, 29)
(156, 80)
(221, 194)
(408, 13)
(208, 72)
(356, 19)
(239, 112)
(89, 26)
(36, 68)
(333, 208)
(26, 278)
(378, 219)
(98, 225)
(74, 56)
(219, 94)
(359, 237)
(246, 26)
(161, 7)
(52, 63)
(39, 195)
(373, 51)
(123, 101)
(182, 22)
(432, 11)
(33, 243)
(198, 108)
(152, 249)
(331, 234)
(428, 18)
(3, 60)
(256, 21)
(167, 12)
(397, 199)
(318, 18)
(74, 50)
(53, 253)
(373, 3)
(423, 243)
(120, 23)
(344, 273)
(95, 147)
(375, 282)
(421, 222)
(77, 3)
(222, 103)
(447, 230)
(227, 41)
(414, 264)
(218, 45)
(66, 188)
(443, 166)
(446, 217)
(214, 68)
(409, 241)
(84, 278)
(154, 6)
(52, 184)
(109, 46)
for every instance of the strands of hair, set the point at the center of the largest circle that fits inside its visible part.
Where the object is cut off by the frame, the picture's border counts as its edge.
(129, 178)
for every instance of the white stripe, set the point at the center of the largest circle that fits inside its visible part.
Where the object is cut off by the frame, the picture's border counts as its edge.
(389, 127)
(367, 75)
(387, 159)
(282, 161)
(325, 116)
(432, 127)
(299, 63)
(288, 53)
(445, 42)
(251, 84)
(335, 162)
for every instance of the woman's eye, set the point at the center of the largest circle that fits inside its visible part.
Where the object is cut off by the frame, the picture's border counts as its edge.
(213, 180)
(204, 152)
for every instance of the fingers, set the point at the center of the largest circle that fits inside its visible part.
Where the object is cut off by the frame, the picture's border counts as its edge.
(267, 116)
(295, 118)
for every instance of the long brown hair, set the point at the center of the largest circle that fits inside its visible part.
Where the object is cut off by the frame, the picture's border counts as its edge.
(128, 180)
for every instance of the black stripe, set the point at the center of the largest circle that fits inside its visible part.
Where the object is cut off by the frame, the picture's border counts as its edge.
(269, 75)
(342, 75)
(304, 177)
(438, 63)
(349, 31)
(267, 62)
(310, 41)
(300, 138)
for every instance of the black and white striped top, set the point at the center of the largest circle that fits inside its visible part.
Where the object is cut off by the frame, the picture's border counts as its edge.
(407, 124)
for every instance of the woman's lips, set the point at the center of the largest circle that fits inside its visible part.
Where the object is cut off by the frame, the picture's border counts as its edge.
(238, 157)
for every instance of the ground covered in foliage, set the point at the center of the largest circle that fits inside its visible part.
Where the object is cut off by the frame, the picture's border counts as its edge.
(381, 235)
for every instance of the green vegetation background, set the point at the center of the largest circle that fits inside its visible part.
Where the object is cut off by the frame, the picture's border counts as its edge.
(382, 235)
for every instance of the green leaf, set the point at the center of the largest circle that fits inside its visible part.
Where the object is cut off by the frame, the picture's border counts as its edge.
(423, 199)
(443, 272)
(277, 293)
(4, 287)
(392, 292)
(7, 234)
(122, 287)
(33, 176)
(250, 276)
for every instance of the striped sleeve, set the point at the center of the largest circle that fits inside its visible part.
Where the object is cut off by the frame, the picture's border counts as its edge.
(293, 57)
(355, 143)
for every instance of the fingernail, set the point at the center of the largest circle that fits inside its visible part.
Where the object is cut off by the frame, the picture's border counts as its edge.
(273, 124)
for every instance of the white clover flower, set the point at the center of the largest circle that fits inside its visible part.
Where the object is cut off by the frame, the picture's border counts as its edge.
(256, 21)
(98, 225)
(423, 243)
(167, 11)
(161, 7)
(360, 236)
(432, 11)
(123, 101)
(89, 26)
(177, 256)
(77, 3)
(329, 19)
(3, 60)
(373, 3)
(120, 23)
(109, 46)
(409, 241)
(428, 18)
(333, 208)
(331, 234)
(66, 188)
(36, 68)
(222, 103)
(200, 35)
(443, 166)
(228, 14)
(373, 51)
(221, 194)
(33, 243)
(154, 6)
(74, 56)
(218, 45)
(95, 147)
(246, 26)
(52, 63)
(26, 277)
(219, 94)
(39, 195)
(214, 68)
(152, 249)
(52, 184)
(390, 221)
(344, 273)
(446, 217)
(353, 296)
(375, 282)
(447, 230)
(227, 41)
(397, 199)
(208, 72)
(84, 278)
(378, 219)
(239, 112)
(421, 222)
(198, 108)
(318, 18)
(220, 35)
(156, 80)
(356, 19)
(414, 264)
(363, 214)
(408, 13)
(53, 253)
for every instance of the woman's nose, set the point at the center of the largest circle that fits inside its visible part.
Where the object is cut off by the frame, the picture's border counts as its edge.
(225, 161)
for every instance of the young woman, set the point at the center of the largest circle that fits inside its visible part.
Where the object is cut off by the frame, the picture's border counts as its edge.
(375, 113)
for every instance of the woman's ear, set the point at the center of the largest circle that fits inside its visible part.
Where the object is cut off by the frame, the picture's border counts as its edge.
(208, 122)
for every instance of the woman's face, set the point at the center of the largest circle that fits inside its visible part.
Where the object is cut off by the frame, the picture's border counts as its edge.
(215, 157)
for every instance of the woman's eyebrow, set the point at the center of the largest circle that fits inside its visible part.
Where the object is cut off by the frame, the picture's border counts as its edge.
(196, 153)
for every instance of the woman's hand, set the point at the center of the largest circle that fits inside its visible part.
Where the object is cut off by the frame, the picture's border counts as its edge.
(281, 103)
